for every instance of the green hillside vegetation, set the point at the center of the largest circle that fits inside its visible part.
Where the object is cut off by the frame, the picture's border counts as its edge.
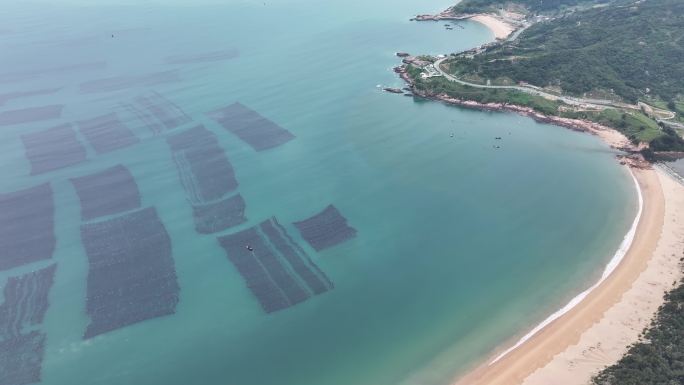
(624, 50)
(658, 359)
(475, 6)
(635, 50)
(635, 125)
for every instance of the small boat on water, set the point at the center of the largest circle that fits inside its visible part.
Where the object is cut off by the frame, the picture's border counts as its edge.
(393, 90)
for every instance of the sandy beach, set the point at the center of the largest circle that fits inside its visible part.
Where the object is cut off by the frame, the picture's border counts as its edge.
(499, 27)
(598, 330)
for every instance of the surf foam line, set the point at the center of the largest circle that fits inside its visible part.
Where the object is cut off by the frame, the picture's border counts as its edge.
(610, 268)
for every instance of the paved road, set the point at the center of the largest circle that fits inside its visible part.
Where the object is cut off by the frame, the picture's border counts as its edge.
(596, 103)
(591, 103)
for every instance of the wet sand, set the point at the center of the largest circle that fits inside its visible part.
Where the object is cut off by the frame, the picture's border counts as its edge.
(597, 331)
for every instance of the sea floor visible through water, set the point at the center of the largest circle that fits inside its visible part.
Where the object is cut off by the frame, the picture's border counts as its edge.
(459, 245)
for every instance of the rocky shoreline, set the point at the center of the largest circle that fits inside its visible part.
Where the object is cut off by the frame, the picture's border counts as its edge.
(616, 140)
(447, 14)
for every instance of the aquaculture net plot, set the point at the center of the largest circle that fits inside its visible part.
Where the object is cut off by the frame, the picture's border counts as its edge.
(118, 83)
(25, 301)
(252, 128)
(21, 359)
(112, 191)
(325, 229)
(276, 273)
(24, 307)
(214, 217)
(207, 178)
(26, 226)
(203, 167)
(4, 98)
(107, 133)
(158, 113)
(299, 261)
(53, 149)
(11, 77)
(28, 115)
(131, 277)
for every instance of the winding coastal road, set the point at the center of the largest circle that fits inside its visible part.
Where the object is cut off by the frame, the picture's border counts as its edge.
(596, 103)
(665, 115)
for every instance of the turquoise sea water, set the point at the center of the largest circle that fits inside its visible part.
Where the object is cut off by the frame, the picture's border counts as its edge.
(460, 246)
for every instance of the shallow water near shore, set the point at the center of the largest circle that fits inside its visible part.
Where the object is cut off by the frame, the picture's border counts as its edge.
(460, 246)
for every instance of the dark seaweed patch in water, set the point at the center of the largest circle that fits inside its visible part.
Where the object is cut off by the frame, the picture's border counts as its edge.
(252, 128)
(325, 229)
(203, 57)
(21, 359)
(32, 114)
(4, 98)
(108, 192)
(131, 277)
(203, 168)
(124, 82)
(158, 113)
(215, 217)
(165, 111)
(26, 301)
(26, 226)
(256, 277)
(107, 133)
(300, 262)
(278, 275)
(30, 74)
(53, 149)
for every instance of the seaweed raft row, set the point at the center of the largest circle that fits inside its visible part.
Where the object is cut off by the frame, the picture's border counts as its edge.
(131, 277)
(107, 133)
(207, 177)
(158, 113)
(325, 229)
(53, 149)
(32, 114)
(112, 191)
(252, 128)
(118, 83)
(24, 307)
(4, 98)
(275, 269)
(26, 226)
(214, 217)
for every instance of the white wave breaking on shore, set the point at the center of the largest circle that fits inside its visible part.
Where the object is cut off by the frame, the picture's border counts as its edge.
(610, 267)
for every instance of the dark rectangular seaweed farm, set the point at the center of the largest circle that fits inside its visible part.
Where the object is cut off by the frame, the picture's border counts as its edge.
(26, 226)
(163, 110)
(214, 217)
(277, 274)
(4, 98)
(124, 82)
(254, 129)
(299, 261)
(31, 74)
(32, 114)
(108, 192)
(107, 133)
(21, 359)
(131, 277)
(24, 307)
(26, 301)
(325, 229)
(53, 149)
(203, 168)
